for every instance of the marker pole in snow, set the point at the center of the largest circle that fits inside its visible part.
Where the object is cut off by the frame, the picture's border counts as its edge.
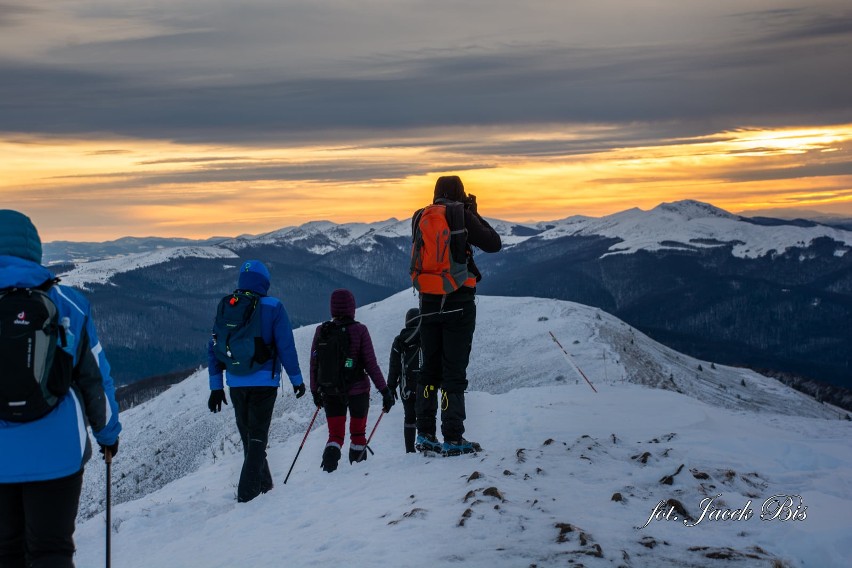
(302, 445)
(570, 360)
(367, 445)
(108, 460)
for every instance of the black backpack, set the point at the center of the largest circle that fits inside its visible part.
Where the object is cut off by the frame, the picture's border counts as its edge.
(238, 334)
(35, 374)
(411, 359)
(336, 370)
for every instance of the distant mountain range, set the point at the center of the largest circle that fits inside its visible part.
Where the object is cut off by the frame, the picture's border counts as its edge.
(767, 293)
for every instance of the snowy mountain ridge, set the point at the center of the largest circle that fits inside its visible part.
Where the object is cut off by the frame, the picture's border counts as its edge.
(542, 493)
(682, 225)
(101, 271)
(693, 225)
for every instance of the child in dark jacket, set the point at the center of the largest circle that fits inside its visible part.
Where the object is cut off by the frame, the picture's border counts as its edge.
(357, 399)
(406, 360)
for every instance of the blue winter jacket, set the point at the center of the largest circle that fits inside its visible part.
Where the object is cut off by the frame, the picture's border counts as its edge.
(57, 445)
(276, 330)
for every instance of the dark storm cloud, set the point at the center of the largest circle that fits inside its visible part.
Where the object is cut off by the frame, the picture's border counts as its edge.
(11, 13)
(807, 171)
(800, 24)
(349, 170)
(694, 89)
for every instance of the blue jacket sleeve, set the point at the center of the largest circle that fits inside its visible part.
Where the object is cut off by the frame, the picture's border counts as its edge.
(109, 433)
(285, 345)
(215, 368)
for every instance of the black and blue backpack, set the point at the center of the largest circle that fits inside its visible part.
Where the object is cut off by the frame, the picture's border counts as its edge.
(238, 335)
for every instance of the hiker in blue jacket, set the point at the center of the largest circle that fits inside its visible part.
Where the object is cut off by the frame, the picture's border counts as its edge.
(41, 468)
(253, 394)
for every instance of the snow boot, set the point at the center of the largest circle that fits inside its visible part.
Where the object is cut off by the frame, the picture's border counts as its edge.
(330, 457)
(427, 443)
(357, 453)
(459, 447)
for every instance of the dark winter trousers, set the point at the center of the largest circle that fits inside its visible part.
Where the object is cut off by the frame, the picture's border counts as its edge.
(409, 427)
(37, 522)
(253, 410)
(446, 336)
(335, 412)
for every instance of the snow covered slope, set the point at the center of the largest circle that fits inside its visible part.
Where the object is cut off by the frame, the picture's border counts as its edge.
(567, 478)
(100, 271)
(174, 479)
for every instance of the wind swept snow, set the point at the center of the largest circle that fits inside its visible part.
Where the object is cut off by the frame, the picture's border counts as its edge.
(566, 476)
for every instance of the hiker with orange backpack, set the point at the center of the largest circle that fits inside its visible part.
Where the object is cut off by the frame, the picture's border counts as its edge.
(443, 271)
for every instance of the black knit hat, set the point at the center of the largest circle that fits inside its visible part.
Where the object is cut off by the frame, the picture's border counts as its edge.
(411, 317)
(450, 187)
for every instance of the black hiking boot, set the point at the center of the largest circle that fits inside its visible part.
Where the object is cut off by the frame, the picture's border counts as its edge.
(459, 447)
(330, 457)
(357, 454)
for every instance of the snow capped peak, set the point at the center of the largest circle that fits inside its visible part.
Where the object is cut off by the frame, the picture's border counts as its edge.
(322, 237)
(691, 225)
(691, 209)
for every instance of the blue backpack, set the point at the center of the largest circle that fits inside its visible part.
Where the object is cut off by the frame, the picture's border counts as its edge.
(237, 334)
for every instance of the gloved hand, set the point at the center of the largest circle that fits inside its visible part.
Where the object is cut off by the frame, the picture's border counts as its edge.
(299, 390)
(217, 397)
(113, 449)
(317, 398)
(470, 203)
(387, 399)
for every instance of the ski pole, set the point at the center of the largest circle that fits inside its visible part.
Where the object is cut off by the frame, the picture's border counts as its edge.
(302, 445)
(108, 460)
(572, 362)
(367, 445)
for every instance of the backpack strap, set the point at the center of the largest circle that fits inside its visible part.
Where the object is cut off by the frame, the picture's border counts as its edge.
(47, 284)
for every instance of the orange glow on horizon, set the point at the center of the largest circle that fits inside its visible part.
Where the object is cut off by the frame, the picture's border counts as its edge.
(101, 189)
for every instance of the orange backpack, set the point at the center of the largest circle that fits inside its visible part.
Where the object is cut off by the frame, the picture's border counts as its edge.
(439, 249)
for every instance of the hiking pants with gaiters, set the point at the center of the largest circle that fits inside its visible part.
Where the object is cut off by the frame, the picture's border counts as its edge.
(446, 337)
(336, 407)
(253, 410)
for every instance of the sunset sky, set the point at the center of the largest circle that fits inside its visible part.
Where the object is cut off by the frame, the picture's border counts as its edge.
(197, 118)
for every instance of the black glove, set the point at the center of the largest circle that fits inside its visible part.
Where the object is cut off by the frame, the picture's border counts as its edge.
(317, 398)
(394, 393)
(217, 397)
(113, 449)
(299, 390)
(470, 203)
(387, 399)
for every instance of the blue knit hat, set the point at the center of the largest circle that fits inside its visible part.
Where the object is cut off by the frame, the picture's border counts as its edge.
(18, 236)
(254, 277)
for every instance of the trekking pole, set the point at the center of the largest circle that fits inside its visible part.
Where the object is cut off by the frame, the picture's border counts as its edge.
(367, 445)
(108, 460)
(572, 362)
(302, 445)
